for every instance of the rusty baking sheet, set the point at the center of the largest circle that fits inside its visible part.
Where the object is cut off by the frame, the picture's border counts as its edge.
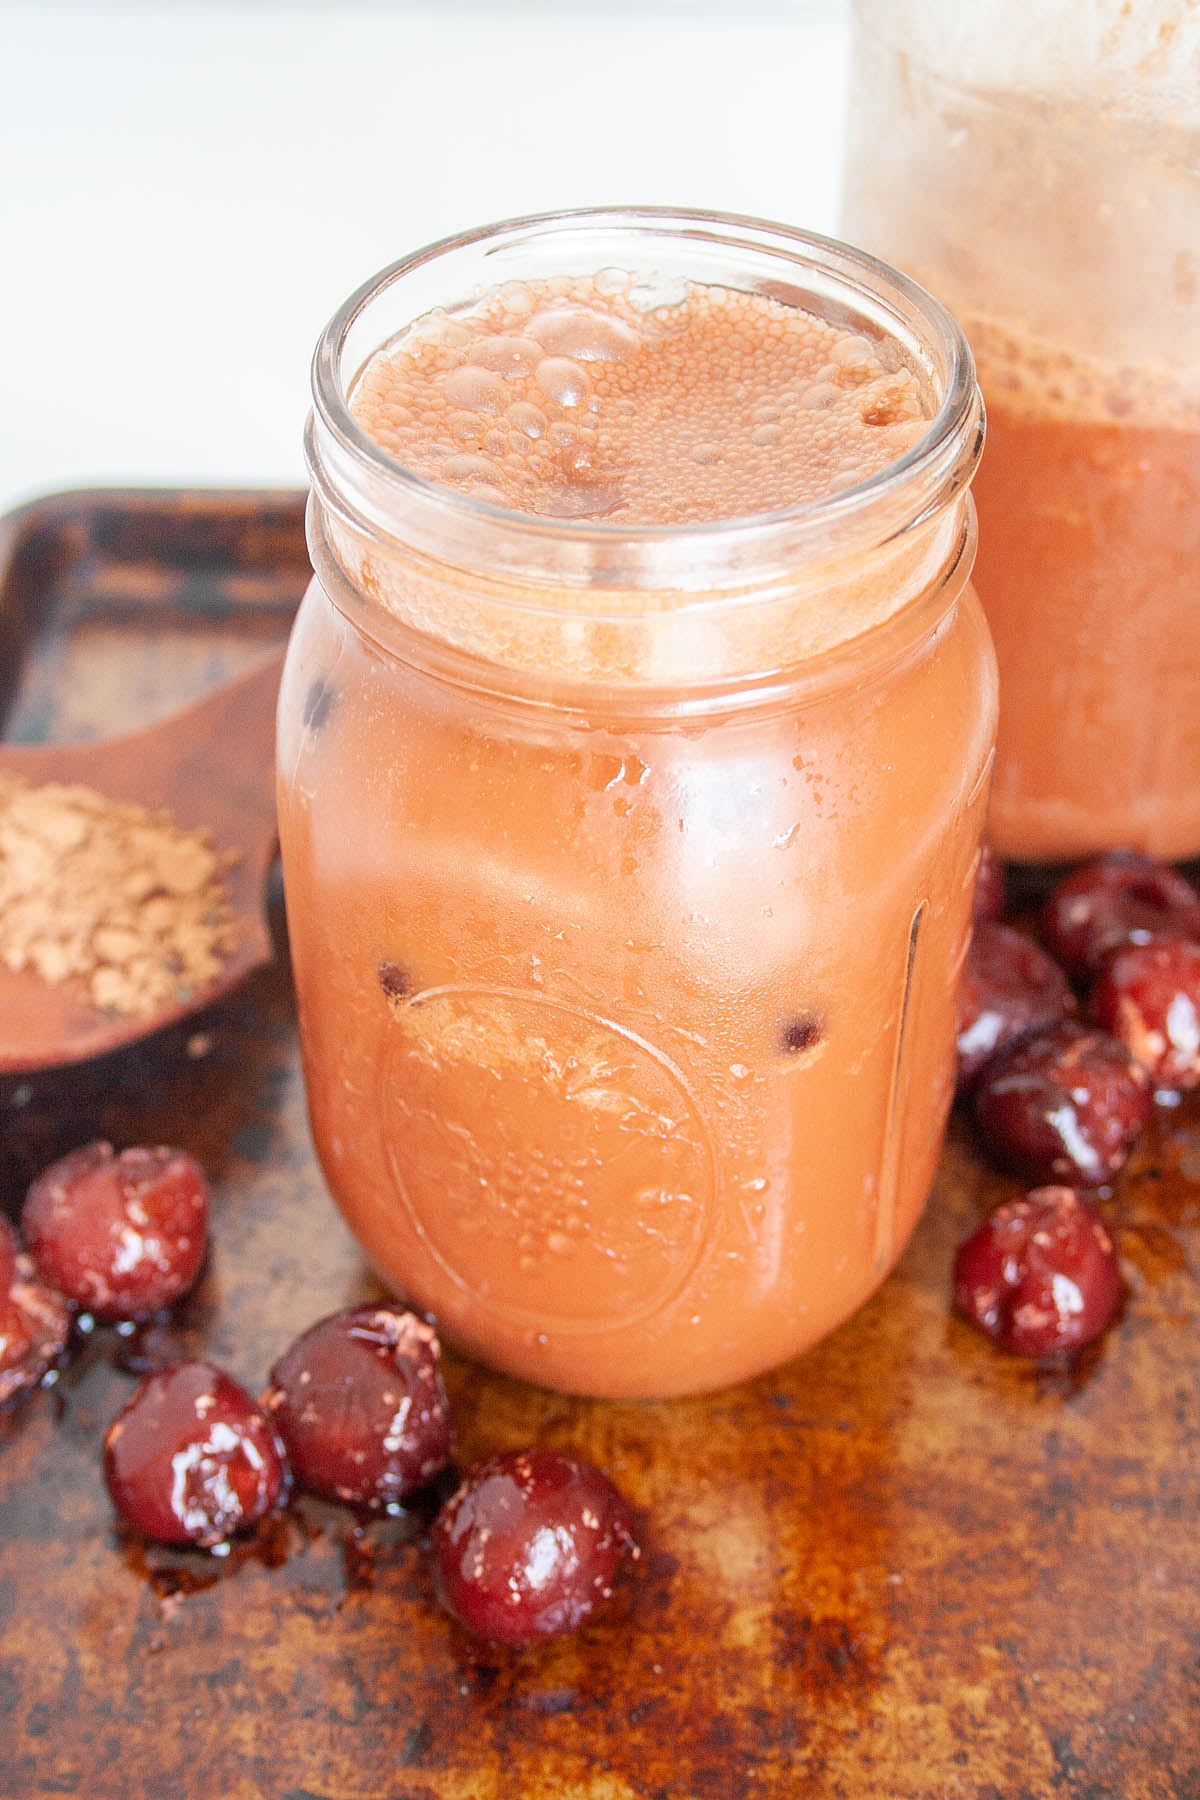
(902, 1568)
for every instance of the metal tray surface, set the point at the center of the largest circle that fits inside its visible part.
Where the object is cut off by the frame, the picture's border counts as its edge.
(902, 1568)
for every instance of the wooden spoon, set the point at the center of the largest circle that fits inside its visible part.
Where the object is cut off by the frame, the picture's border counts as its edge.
(212, 766)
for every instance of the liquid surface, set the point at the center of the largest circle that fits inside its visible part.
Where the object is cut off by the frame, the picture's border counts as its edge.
(1033, 377)
(595, 398)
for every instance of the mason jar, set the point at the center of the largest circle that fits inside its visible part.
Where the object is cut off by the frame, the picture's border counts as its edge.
(629, 868)
(1037, 165)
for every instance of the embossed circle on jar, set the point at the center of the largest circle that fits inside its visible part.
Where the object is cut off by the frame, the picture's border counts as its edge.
(554, 1164)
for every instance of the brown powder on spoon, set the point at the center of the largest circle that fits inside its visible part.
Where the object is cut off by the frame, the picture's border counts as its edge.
(109, 896)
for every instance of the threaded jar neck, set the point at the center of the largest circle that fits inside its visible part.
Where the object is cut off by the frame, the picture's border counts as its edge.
(727, 600)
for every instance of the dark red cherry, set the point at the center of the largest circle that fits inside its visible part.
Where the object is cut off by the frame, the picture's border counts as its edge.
(1040, 1276)
(191, 1458)
(35, 1322)
(9, 1250)
(1065, 1103)
(121, 1236)
(1122, 898)
(528, 1545)
(1148, 995)
(990, 885)
(1008, 985)
(359, 1403)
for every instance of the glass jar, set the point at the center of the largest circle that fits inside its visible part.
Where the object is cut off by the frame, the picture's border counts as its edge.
(1042, 177)
(629, 870)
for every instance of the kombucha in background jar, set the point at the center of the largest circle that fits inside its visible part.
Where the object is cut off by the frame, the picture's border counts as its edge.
(633, 755)
(1036, 164)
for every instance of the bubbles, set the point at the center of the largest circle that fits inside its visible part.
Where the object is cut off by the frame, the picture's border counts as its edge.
(577, 460)
(585, 335)
(658, 296)
(885, 403)
(903, 437)
(819, 396)
(440, 328)
(510, 357)
(527, 418)
(516, 298)
(856, 362)
(851, 350)
(465, 427)
(467, 468)
(579, 500)
(475, 390)
(605, 398)
(562, 380)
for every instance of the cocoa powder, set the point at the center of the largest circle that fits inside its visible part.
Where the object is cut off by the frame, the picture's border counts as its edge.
(110, 896)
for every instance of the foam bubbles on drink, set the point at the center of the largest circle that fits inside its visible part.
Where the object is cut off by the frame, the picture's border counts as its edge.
(562, 381)
(600, 397)
(475, 390)
(524, 417)
(584, 334)
(512, 357)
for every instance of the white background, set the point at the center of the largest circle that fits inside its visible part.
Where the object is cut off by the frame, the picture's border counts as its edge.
(188, 189)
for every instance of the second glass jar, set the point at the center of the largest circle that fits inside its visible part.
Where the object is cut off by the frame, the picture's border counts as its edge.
(1036, 164)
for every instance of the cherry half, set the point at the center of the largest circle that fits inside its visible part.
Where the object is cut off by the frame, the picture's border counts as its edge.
(1008, 984)
(121, 1236)
(191, 1458)
(1040, 1276)
(1121, 898)
(35, 1322)
(359, 1403)
(1064, 1103)
(1148, 995)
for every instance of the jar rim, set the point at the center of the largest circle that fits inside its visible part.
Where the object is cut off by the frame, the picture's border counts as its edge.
(373, 490)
